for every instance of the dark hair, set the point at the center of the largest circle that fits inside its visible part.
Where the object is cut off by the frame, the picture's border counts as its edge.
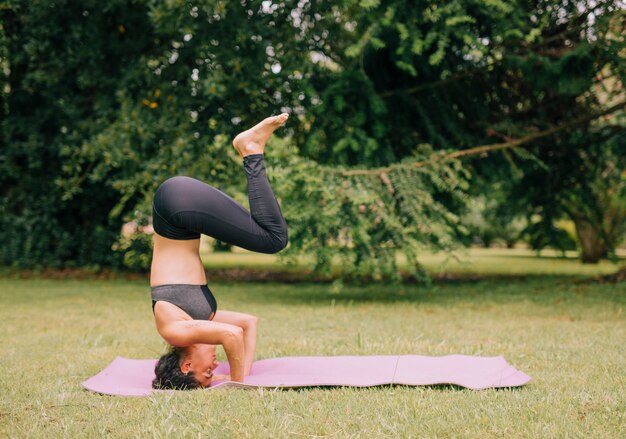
(169, 375)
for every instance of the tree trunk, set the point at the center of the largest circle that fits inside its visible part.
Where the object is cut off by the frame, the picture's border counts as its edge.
(592, 245)
(597, 238)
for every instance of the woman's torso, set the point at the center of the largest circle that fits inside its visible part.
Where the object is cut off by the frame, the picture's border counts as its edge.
(176, 262)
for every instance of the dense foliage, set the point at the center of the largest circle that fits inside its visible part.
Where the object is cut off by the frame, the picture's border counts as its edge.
(103, 101)
(365, 220)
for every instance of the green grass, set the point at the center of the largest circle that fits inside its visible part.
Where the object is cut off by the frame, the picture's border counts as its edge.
(568, 336)
(478, 261)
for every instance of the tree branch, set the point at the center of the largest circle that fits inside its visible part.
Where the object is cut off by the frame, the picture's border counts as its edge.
(579, 26)
(500, 146)
(434, 84)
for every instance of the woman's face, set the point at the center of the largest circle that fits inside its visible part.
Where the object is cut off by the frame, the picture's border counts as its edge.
(201, 360)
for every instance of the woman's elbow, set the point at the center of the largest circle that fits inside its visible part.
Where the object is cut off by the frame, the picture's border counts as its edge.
(278, 243)
(232, 336)
(251, 322)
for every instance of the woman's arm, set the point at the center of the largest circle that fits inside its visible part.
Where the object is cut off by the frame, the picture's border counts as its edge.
(189, 332)
(249, 324)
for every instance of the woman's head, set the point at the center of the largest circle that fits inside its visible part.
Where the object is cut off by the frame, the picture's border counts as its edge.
(185, 368)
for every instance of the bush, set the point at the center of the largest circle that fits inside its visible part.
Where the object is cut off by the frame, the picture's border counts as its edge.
(136, 251)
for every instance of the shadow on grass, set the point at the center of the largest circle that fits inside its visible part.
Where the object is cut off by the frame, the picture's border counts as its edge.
(549, 290)
(617, 260)
(444, 290)
(436, 387)
(304, 277)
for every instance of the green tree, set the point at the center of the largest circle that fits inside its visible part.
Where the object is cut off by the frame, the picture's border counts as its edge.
(458, 74)
(111, 99)
(61, 65)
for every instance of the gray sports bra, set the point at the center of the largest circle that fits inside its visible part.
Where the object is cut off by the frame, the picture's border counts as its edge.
(196, 300)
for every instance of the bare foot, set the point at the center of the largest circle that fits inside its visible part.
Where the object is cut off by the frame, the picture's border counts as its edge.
(252, 141)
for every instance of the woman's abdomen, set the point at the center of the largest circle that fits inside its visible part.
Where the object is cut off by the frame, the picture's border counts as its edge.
(176, 262)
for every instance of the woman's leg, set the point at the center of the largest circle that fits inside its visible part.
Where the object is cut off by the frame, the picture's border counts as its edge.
(264, 207)
(197, 207)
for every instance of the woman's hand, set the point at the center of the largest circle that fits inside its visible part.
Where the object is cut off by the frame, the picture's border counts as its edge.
(221, 378)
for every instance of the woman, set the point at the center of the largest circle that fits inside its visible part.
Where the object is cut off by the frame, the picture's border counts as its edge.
(185, 311)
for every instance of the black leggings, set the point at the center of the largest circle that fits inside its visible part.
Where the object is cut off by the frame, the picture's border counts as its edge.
(184, 207)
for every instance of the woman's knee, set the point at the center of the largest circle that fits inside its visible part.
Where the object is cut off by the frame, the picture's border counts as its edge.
(283, 241)
(279, 242)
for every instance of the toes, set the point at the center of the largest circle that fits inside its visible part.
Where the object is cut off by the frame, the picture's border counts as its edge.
(276, 120)
(281, 117)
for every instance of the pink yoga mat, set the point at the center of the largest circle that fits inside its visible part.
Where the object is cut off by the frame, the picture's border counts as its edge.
(128, 377)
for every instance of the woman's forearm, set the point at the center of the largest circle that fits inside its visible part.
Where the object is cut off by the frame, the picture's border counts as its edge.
(248, 325)
(233, 344)
(249, 342)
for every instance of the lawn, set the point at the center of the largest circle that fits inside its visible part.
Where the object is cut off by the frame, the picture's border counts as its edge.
(568, 335)
(473, 261)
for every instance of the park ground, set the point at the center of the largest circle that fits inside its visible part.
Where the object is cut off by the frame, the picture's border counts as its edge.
(545, 314)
